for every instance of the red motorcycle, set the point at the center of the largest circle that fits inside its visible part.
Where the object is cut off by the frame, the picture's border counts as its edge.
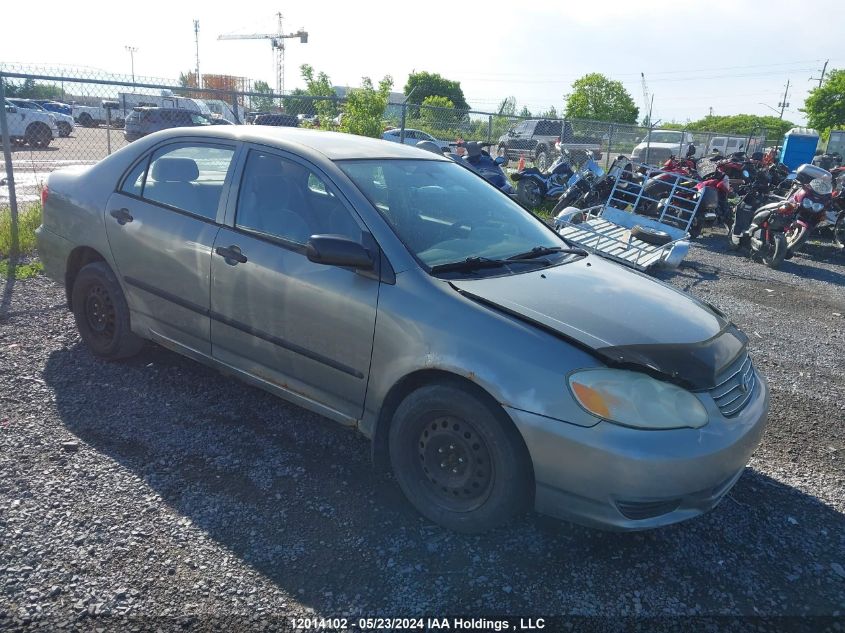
(813, 191)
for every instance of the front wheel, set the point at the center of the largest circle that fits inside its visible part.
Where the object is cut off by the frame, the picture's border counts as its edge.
(541, 161)
(102, 314)
(772, 253)
(39, 135)
(795, 239)
(839, 231)
(459, 460)
(528, 192)
(568, 199)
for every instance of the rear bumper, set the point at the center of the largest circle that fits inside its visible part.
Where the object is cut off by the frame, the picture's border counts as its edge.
(618, 478)
(53, 251)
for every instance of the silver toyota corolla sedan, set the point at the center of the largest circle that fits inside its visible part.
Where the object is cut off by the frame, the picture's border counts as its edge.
(493, 366)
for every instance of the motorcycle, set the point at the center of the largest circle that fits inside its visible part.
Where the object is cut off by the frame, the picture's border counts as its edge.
(475, 159)
(534, 186)
(590, 186)
(813, 197)
(838, 204)
(765, 229)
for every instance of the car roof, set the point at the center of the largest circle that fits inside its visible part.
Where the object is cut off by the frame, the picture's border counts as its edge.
(332, 145)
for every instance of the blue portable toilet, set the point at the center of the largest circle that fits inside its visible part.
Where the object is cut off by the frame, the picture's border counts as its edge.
(799, 147)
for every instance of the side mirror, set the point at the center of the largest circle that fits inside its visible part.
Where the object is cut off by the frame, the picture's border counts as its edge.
(335, 250)
(502, 161)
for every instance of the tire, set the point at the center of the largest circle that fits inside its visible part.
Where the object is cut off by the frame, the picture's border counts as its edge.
(38, 135)
(650, 236)
(795, 244)
(64, 129)
(485, 476)
(541, 160)
(566, 200)
(773, 256)
(528, 192)
(86, 120)
(839, 231)
(102, 315)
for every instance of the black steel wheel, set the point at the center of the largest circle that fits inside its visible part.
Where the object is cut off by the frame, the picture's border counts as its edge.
(101, 313)
(529, 193)
(38, 135)
(839, 231)
(459, 459)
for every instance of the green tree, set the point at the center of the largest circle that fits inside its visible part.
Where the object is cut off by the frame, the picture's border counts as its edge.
(825, 106)
(551, 113)
(365, 108)
(438, 113)
(525, 112)
(741, 124)
(598, 98)
(28, 89)
(319, 85)
(507, 107)
(265, 101)
(425, 84)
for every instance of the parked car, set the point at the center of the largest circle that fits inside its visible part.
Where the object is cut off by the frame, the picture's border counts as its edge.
(54, 106)
(28, 126)
(146, 120)
(542, 140)
(658, 146)
(277, 120)
(412, 137)
(64, 122)
(398, 293)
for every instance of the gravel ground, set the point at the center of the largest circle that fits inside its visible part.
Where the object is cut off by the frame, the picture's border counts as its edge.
(156, 489)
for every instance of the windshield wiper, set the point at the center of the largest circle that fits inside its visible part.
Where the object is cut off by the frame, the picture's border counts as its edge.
(470, 263)
(540, 251)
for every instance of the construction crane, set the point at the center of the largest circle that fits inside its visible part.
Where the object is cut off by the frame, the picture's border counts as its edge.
(646, 103)
(277, 43)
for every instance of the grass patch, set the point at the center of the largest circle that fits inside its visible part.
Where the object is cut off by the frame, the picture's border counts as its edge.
(29, 219)
(21, 271)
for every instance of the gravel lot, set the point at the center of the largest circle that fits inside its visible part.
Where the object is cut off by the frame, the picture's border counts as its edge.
(157, 488)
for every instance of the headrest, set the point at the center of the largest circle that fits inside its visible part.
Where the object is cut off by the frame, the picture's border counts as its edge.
(174, 169)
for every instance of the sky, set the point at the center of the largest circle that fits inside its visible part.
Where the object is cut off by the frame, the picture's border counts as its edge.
(731, 56)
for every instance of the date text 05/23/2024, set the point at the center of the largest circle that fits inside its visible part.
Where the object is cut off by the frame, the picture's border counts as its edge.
(423, 624)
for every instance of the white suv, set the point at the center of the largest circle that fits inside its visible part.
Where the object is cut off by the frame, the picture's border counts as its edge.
(64, 122)
(30, 126)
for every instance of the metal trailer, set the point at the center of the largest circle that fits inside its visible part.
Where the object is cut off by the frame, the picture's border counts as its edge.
(606, 229)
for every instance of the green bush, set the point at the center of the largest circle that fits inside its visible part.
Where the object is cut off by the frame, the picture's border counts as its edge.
(29, 218)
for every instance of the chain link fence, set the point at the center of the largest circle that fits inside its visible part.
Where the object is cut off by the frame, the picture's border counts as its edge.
(55, 118)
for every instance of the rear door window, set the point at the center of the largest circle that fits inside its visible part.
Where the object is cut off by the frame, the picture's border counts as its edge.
(189, 177)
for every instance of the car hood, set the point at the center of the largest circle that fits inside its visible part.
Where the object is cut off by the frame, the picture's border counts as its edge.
(659, 145)
(622, 316)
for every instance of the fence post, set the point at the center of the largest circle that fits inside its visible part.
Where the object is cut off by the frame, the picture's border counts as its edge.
(10, 174)
(108, 129)
(648, 142)
(402, 122)
(609, 146)
(235, 107)
(489, 128)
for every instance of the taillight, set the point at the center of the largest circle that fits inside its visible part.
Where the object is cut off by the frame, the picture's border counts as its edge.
(45, 193)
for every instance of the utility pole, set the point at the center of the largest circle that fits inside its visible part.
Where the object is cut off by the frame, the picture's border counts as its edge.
(824, 69)
(132, 50)
(197, 44)
(783, 105)
(711, 111)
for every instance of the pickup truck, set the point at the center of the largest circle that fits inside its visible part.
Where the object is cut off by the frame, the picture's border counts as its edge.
(540, 140)
(656, 147)
(34, 127)
(92, 116)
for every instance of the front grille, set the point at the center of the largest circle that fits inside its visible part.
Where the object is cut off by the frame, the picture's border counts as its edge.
(638, 510)
(735, 386)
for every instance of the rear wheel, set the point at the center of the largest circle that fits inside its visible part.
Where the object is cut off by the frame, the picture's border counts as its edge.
(541, 161)
(101, 313)
(86, 120)
(38, 135)
(64, 128)
(528, 192)
(839, 231)
(460, 462)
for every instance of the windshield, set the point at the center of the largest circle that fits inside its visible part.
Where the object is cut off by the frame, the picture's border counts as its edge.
(29, 105)
(444, 213)
(664, 137)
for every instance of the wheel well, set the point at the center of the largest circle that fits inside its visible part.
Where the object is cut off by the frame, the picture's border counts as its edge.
(36, 124)
(412, 382)
(79, 257)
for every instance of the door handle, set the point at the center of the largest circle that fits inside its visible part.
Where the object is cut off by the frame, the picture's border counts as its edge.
(121, 215)
(232, 255)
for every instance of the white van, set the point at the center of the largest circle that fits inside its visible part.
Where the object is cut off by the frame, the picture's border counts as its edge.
(726, 145)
